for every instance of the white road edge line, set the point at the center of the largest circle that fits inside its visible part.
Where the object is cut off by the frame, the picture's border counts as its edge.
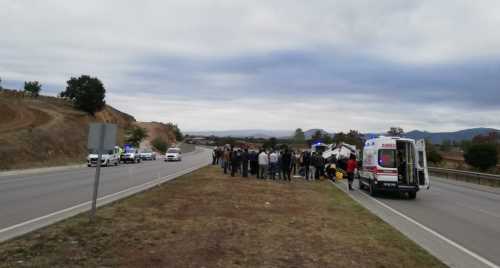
(435, 233)
(101, 202)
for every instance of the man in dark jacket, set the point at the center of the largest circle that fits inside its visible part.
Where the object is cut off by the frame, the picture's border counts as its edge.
(254, 162)
(235, 162)
(286, 162)
(244, 163)
(306, 162)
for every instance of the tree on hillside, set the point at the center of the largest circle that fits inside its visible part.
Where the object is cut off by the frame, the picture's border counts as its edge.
(482, 156)
(135, 135)
(317, 135)
(178, 134)
(160, 145)
(395, 131)
(1, 83)
(352, 137)
(87, 93)
(299, 136)
(33, 88)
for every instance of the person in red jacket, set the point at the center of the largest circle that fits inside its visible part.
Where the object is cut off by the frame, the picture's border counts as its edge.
(352, 165)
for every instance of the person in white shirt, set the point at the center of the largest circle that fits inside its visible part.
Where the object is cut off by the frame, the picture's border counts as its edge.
(263, 165)
(273, 162)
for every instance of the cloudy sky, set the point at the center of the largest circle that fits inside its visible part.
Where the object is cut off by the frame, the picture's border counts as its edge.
(219, 65)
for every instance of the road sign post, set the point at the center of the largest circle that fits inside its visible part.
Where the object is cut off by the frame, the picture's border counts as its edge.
(102, 137)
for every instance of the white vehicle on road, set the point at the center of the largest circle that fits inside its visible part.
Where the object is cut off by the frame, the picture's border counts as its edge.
(109, 158)
(147, 154)
(173, 154)
(131, 155)
(394, 164)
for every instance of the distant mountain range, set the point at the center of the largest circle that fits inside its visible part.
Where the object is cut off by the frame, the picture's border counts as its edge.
(439, 137)
(256, 133)
(435, 137)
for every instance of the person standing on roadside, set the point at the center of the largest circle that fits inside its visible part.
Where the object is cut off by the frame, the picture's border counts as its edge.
(273, 161)
(254, 163)
(263, 165)
(318, 166)
(306, 161)
(286, 163)
(227, 159)
(234, 162)
(293, 164)
(278, 166)
(352, 165)
(312, 167)
(244, 163)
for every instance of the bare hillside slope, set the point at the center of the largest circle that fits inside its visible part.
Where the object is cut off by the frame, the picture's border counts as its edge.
(47, 131)
(157, 130)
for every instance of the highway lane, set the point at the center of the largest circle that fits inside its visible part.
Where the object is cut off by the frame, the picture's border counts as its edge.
(467, 214)
(25, 197)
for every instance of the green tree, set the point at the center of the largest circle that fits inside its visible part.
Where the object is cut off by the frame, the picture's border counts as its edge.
(395, 131)
(299, 136)
(352, 137)
(446, 145)
(433, 155)
(317, 135)
(270, 143)
(178, 134)
(135, 135)
(87, 93)
(160, 145)
(1, 83)
(327, 138)
(33, 88)
(482, 156)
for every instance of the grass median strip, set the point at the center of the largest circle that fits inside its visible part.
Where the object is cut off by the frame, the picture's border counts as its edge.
(207, 219)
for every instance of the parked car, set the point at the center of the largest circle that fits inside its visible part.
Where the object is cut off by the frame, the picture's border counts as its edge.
(147, 154)
(173, 154)
(130, 155)
(111, 157)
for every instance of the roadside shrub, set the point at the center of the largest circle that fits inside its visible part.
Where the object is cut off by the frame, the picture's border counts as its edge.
(482, 156)
(160, 145)
(33, 88)
(87, 93)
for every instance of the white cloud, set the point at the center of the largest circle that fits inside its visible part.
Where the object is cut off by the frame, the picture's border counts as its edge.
(52, 40)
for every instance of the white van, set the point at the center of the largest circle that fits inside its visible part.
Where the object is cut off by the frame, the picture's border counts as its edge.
(111, 157)
(394, 164)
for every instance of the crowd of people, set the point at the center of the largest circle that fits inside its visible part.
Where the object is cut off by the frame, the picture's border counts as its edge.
(281, 164)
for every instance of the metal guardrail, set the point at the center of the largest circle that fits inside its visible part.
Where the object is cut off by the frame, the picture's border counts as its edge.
(469, 176)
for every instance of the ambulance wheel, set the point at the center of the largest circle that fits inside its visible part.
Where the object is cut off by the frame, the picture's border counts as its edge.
(372, 189)
(412, 195)
(361, 186)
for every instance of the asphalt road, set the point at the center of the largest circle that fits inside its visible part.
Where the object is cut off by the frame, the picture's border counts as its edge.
(25, 197)
(464, 213)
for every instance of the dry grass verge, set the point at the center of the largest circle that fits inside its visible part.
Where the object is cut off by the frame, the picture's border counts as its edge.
(206, 219)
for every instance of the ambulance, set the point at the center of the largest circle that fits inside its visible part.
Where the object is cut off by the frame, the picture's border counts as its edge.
(394, 164)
